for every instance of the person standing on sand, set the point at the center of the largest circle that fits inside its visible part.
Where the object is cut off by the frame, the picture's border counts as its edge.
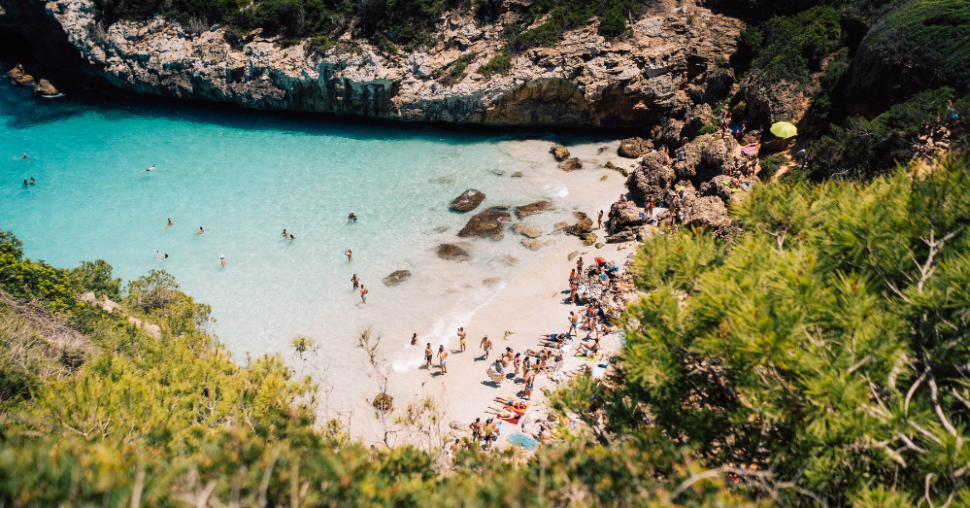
(517, 363)
(414, 339)
(599, 220)
(363, 293)
(573, 288)
(573, 319)
(486, 345)
(356, 281)
(579, 266)
(442, 357)
(476, 428)
(428, 354)
(350, 255)
(461, 338)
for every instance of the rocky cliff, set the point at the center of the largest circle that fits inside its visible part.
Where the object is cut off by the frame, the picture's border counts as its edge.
(663, 67)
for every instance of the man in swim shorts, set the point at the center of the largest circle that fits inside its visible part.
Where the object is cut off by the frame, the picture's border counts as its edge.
(356, 282)
(363, 293)
(442, 357)
(352, 217)
(461, 339)
(486, 345)
(573, 319)
(428, 354)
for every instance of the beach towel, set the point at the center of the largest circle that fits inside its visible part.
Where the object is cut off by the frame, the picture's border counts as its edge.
(521, 440)
(751, 149)
(594, 357)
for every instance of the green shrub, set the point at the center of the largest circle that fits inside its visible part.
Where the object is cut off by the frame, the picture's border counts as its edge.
(791, 47)
(612, 23)
(770, 166)
(501, 63)
(707, 129)
(456, 72)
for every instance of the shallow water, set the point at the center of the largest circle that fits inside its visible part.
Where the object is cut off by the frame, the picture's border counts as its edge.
(244, 176)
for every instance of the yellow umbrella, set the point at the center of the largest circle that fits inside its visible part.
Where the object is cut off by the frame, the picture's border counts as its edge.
(784, 130)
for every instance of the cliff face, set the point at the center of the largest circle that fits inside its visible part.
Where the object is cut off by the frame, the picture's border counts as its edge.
(586, 81)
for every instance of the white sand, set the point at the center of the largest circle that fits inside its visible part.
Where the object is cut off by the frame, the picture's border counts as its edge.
(531, 305)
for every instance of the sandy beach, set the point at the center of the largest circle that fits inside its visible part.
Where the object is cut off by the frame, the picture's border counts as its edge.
(532, 304)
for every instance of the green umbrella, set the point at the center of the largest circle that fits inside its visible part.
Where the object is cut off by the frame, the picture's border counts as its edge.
(784, 130)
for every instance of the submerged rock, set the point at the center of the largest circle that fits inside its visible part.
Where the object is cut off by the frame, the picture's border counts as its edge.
(559, 152)
(527, 230)
(454, 252)
(397, 277)
(486, 224)
(491, 281)
(532, 244)
(468, 201)
(517, 174)
(571, 164)
(527, 210)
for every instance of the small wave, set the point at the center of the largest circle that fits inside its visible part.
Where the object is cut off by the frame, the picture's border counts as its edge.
(555, 190)
(445, 328)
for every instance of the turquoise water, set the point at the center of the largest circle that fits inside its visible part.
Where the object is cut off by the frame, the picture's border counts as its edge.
(244, 177)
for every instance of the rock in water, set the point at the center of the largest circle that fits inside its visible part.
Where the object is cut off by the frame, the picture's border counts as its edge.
(532, 244)
(45, 87)
(630, 148)
(559, 152)
(582, 228)
(397, 277)
(527, 230)
(487, 224)
(527, 210)
(454, 252)
(571, 164)
(468, 201)
(517, 174)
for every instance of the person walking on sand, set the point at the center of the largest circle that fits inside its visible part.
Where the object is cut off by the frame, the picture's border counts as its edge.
(363, 293)
(442, 359)
(579, 266)
(573, 319)
(350, 255)
(486, 345)
(573, 292)
(428, 354)
(599, 220)
(461, 338)
(356, 281)
(414, 339)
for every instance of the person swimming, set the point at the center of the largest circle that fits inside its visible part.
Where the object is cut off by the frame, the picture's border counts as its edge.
(200, 231)
(352, 217)
(32, 181)
(26, 183)
(284, 234)
(24, 157)
(222, 259)
(170, 224)
(149, 169)
(161, 256)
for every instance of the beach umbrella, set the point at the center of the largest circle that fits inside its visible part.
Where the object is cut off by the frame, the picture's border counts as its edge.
(784, 130)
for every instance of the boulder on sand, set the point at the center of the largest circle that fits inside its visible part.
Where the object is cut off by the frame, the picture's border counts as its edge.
(526, 210)
(630, 148)
(454, 252)
(527, 230)
(486, 224)
(397, 277)
(582, 227)
(571, 164)
(559, 152)
(468, 201)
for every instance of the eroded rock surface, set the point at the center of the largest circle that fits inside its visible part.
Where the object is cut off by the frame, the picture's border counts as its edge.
(532, 208)
(468, 201)
(454, 252)
(487, 224)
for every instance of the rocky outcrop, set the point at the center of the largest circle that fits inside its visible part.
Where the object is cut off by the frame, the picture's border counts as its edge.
(454, 252)
(559, 152)
(527, 230)
(773, 101)
(584, 81)
(486, 224)
(583, 226)
(397, 277)
(45, 87)
(468, 201)
(630, 148)
(532, 208)
(532, 244)
(706, 211)
(652, 179)
(571, 164)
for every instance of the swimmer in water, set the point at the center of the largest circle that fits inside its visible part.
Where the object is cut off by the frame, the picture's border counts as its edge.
(25, 156)
(25, 183)
(356, 281)
(170, 224)
(32, 181)
(352, 217)
(284, 234)
(222, 259)
(161, 256)
(290, 237)
(149, 169)
(350, 255)
(200, 231)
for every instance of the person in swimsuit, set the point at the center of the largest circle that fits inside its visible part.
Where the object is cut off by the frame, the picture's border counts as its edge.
(476, 428)
(24, 157)
(352, 217)
(200, 231)
(573, 320)
(222, 259)
(579, 266)
(428, 354)
(414, 339)
(170, 224)
(363, 293)
(26, 183)
(486, 345)
(350, 255)
(356, 281)
(599, 220)
(285, 233)
(461, 339)
(32, 182)
(442, 358)
(517, 363)
(149, 169)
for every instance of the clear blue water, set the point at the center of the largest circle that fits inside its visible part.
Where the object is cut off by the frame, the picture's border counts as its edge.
(244, 176)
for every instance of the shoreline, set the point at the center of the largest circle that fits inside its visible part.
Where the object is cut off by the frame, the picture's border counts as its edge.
(531, 304)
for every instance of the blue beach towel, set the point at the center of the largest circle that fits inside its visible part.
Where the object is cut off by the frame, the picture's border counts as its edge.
(524, 441)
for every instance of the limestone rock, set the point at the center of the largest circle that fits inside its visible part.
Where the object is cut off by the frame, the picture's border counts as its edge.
(384, 402)
(559, 152)
(397, 277)
(625, 216)
(570, 164)
(517, 174)
(468, 201)
(706, 211)
(583, 226)
(589, 239)
(572, 255)
(454, 252)
(630, 148)
(491, 281)
(652, 180)
(532, 208)
(719, 186)
(532, 244)
(45, 87)
(527, 230)
(486, 224)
